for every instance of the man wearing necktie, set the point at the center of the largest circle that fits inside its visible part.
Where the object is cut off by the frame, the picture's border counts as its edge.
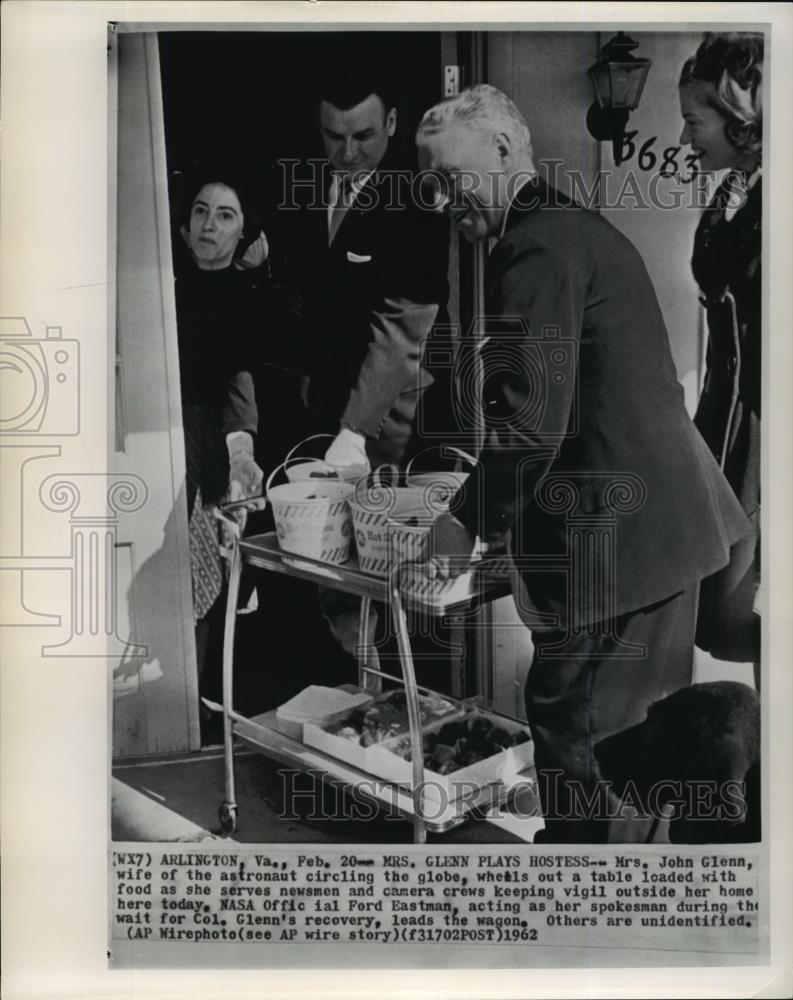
(373, 269)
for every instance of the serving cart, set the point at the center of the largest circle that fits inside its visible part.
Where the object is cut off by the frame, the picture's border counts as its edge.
(406, 589)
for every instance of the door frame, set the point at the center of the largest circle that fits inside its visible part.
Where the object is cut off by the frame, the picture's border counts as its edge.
(155, 698)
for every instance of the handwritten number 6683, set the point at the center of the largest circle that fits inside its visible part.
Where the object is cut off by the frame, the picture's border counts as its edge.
(647, 159)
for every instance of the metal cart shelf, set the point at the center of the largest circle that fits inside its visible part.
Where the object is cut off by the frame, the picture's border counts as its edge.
(407, 588)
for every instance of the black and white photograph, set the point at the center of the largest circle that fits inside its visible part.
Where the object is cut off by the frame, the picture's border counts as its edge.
(421, 584)
(467, 368)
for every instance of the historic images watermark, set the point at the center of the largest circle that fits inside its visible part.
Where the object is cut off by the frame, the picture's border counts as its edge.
(308, 795)
(304, 185)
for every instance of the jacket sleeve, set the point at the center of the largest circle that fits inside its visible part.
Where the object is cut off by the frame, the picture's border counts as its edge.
(529, 360)
(414, 288)
(240, 412)
(399, 331)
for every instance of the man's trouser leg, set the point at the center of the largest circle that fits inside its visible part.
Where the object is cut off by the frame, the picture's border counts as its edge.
(593, 692)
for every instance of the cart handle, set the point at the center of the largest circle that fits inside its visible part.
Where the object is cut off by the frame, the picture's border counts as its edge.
(411, 695)
(223, 512)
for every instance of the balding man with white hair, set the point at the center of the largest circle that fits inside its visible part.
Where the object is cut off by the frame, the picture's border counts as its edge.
(613, 507)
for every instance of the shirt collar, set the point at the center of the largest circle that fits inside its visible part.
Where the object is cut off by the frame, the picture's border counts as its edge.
(740, 186)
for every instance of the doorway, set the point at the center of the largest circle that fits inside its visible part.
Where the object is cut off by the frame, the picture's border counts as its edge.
(248, 100)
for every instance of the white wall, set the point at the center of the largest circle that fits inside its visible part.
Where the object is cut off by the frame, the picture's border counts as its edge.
(663, 236)
(545, 73)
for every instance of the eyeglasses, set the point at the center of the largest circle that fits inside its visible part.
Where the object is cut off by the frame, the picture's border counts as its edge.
(439, 191)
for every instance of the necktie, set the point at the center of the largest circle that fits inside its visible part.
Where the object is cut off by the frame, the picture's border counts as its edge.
(343, 198)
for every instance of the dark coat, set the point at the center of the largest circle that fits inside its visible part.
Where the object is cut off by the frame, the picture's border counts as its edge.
(727, 266)
(585, 420)
(369, 304)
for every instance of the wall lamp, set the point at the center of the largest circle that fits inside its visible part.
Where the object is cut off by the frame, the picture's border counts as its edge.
(618, 78)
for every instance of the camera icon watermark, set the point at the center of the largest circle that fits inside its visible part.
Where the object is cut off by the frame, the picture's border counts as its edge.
(39, 381)
(503, 373)
(40, 403)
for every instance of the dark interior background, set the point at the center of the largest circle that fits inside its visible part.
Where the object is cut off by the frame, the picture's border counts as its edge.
(249, 99)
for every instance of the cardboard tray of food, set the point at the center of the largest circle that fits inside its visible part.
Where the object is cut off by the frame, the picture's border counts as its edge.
(319, 705)
(463, 752)
(353, 736)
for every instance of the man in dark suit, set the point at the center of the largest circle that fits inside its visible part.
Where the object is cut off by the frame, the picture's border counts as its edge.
(372, 272)
(612, 504)
(373, 268)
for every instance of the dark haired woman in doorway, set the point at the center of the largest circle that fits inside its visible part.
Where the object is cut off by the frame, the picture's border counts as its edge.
(214, 321)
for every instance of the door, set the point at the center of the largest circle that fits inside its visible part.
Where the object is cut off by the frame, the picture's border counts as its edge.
(155, 695)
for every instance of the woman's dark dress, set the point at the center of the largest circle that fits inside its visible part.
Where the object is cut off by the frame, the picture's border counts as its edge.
(214, 317)
(215, 329)
(727, 267)
(236, 332)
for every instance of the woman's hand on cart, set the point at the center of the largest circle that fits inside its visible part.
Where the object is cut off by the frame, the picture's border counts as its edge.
(449, 549)
(245, 476)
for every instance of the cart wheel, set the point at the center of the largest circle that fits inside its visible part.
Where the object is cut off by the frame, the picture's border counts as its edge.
(227, 814)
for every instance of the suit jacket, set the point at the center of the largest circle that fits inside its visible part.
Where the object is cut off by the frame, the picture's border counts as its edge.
(589, 447)
(369, 304)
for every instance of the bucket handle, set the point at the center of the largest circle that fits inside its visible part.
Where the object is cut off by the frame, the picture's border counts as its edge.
(374, 487)
(450, 448)
(289, 460)
(376, 475)
(375, 478)
(270, 478)
(312, 437)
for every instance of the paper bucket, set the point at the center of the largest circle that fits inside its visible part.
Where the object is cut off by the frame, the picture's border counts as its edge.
(380, 516)
(312, 518)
